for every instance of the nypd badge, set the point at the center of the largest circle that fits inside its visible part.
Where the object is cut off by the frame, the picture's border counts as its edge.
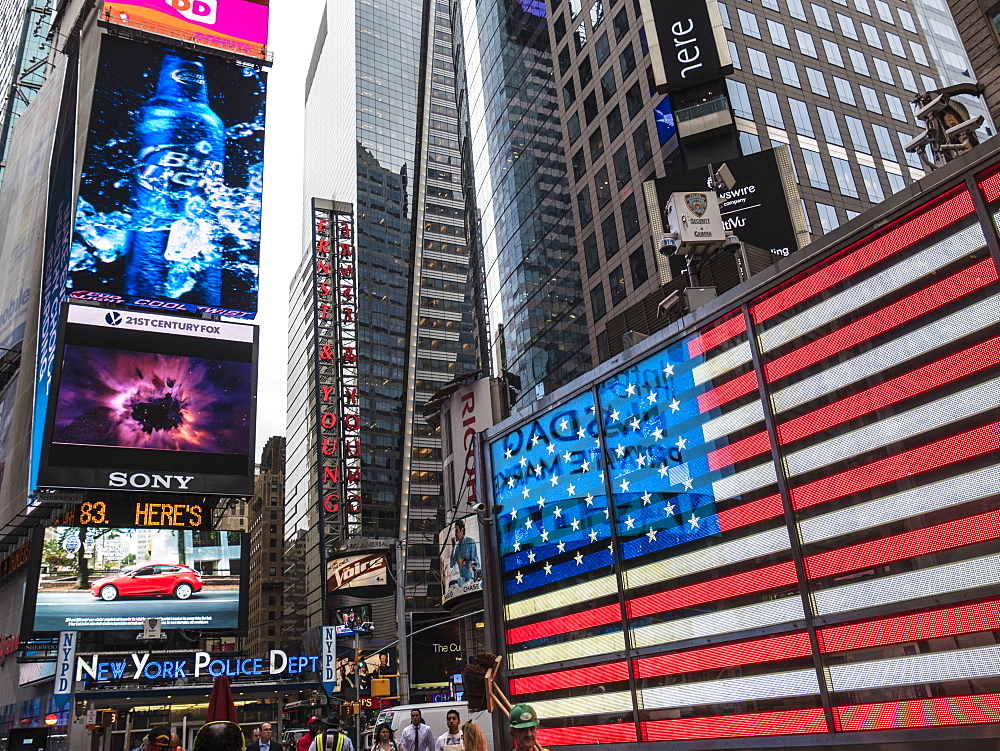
(697, 203)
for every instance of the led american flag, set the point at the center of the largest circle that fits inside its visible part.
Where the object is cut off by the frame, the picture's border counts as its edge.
(784, 522)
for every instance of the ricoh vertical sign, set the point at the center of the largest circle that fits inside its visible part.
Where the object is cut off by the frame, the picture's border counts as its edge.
(339, 420)
(687, 43)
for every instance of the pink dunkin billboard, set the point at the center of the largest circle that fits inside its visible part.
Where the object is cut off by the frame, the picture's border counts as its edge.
(239, 25)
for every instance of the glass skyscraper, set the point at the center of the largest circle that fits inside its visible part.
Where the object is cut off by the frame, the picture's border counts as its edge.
(381, 135)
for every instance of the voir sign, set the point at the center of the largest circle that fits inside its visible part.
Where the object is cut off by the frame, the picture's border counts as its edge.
(687, 43)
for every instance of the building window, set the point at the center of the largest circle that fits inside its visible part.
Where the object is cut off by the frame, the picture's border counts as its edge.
(560, 27)
(598, 306)
(870, 97)
(770, 4)
(734, 53)
(602, 48)
(630, 217)
(643, 148)
(828, 121)
(871, 36)
(608, 85)
(847, 27)
(724, 12)
(573, 127)
(884, 142)
(918, 52)
(858, 62)
(832, 52)
(564, 60)
(614, 120)
(590, 254)
(586, 72)
(748, 23)
(627, 61)
(906, 19)
(749, 143)
(873, 187)
(623, 171)
(844, 91)
(884, 12)
(637, 264)
(621, 24)
(906, 78)
(814, 169)
(896, 182)
(739, 99)
(856, 130)
(817, 82)
(579, 164)
(616, 283)
(778, 34)
(596, 13)
(827, 217)
(575, 6)
(569, 92)
(583, 206)
(758, 62)
(596, 144)
(845, 179)
(609, 233)
(796, 10)
(806, 43)
(788, 73)
(769, 105)
(912, 159)
(895, 44)
(590, 107)
(929, 82)
(633, 100)
(822, 17)
(862, 6)
(896, 108)
(603, 186)
(800, 116)
(580, 37)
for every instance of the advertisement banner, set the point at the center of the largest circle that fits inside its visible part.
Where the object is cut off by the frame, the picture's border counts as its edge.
(108, 579)
(238, 25)
(469, 411)
(687, 43)
(436, 651)
(356, 677)
(357, 571)
(65, 659)
(168, 215)
(461, 565)
(151, 402)
(328, 660)
(353, 619)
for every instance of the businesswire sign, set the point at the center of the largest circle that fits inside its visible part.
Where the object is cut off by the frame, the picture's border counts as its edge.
(687, 43)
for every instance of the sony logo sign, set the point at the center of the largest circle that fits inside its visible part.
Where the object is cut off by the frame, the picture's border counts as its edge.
(142, 480)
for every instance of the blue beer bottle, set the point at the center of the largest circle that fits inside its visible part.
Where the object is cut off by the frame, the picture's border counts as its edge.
(174, 253)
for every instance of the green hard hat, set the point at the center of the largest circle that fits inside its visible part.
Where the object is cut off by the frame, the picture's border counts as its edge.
(523, 716)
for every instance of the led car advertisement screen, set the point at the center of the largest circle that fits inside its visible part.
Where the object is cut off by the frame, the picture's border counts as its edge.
(237, 25)
(101, 579)
(168, 214)
(152, 403)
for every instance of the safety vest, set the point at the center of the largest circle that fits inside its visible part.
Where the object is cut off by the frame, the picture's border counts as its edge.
(320, 742)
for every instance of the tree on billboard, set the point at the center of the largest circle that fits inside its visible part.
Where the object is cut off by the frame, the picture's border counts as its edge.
(85, 538)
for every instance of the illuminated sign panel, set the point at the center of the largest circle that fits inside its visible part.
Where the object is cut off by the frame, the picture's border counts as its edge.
(112, 579)
(139, 514)
(855, 401)
(153, 403)
(687, 43)
(336, 352)
(168, 215)
(461, 563)
(236, 25)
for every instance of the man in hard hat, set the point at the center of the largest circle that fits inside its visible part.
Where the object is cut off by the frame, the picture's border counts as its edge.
(523, 722)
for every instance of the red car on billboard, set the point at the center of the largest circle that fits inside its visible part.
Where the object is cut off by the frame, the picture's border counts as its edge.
(149, 580)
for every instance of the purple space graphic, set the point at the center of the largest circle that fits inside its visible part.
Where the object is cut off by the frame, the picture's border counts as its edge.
(142, 400)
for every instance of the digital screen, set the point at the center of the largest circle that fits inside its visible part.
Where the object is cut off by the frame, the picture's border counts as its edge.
(236, 25)
(111, 579)
(354, 619)
(829, 439)
(151, 402)
(168, 215)
(461, 563)
(140, 514)
(664, 117)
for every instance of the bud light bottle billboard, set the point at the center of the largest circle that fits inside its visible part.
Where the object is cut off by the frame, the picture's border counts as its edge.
(181, 151)
(168, 214)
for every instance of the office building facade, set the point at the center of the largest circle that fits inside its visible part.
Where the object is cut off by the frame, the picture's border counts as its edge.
(830, 80)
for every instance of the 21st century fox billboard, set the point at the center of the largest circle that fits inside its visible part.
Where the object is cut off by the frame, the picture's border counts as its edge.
(239, 25)
(168, 215)
(151, 402)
